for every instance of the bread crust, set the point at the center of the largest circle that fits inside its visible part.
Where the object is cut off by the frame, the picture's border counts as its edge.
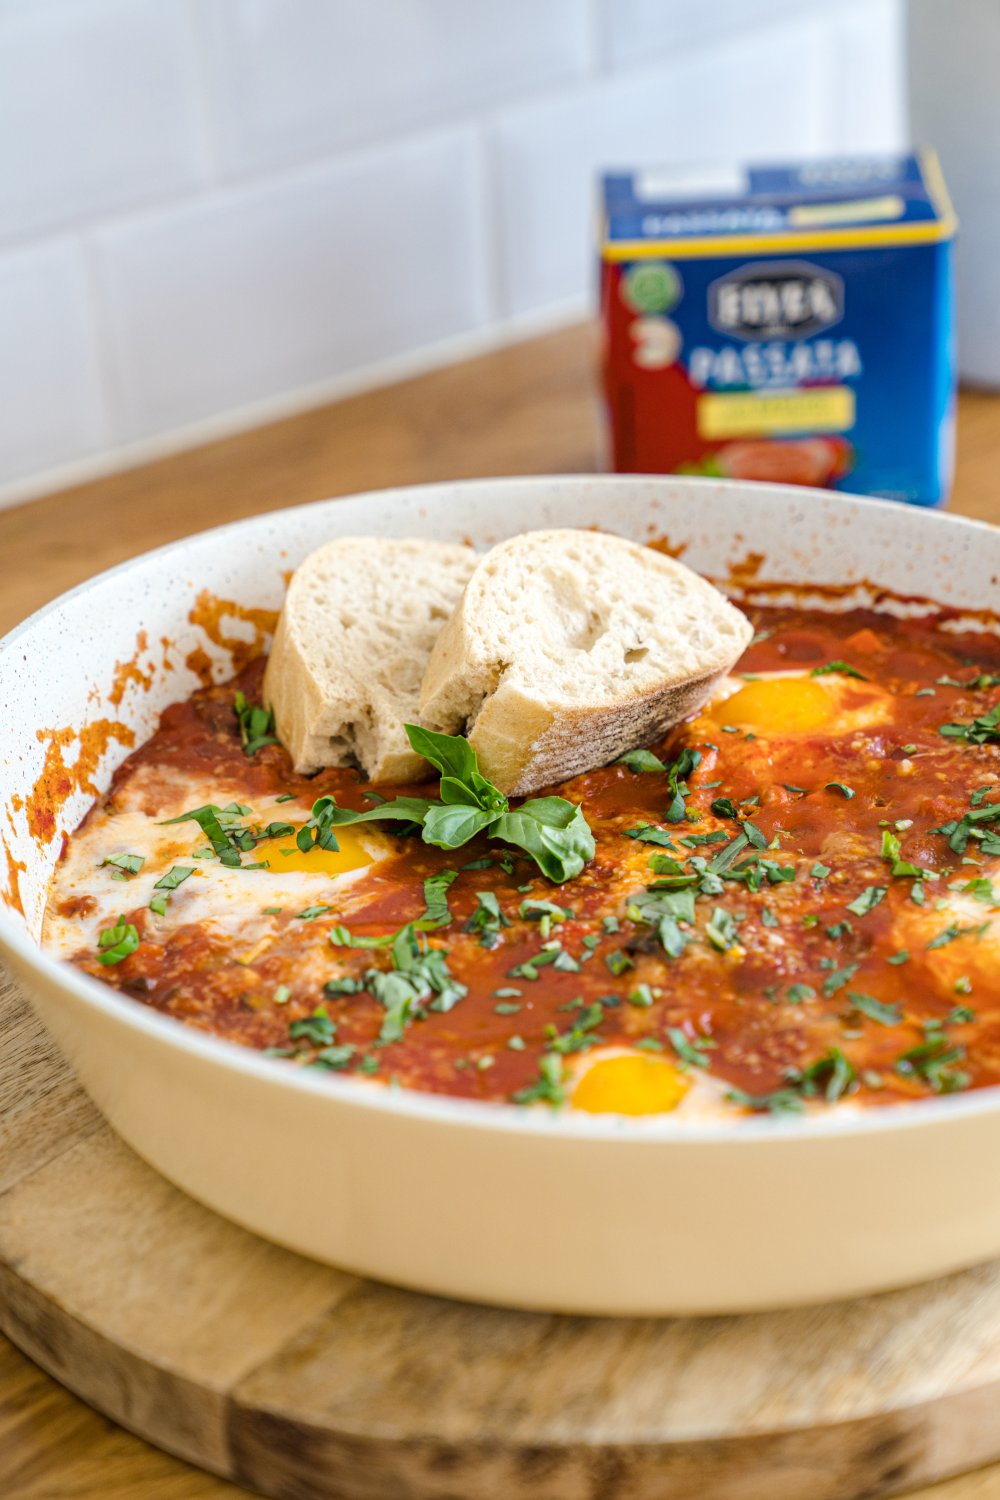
(545, 686)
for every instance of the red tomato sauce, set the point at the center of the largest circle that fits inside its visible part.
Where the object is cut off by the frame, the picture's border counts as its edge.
(818, 966)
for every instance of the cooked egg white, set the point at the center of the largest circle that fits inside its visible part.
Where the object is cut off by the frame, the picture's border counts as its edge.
(795, 703)
(239, 901)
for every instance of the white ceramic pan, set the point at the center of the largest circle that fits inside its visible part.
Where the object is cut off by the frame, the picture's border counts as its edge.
(520, 1207)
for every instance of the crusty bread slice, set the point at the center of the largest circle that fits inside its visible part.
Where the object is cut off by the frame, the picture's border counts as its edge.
(570, 647)
(357, 626)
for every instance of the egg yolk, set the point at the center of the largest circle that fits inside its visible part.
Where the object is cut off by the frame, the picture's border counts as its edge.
(632, 1085)
(775, 705)
(284, 855)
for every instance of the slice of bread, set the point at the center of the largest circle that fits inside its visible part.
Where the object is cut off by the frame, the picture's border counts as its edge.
(569, 648)
(357, 626)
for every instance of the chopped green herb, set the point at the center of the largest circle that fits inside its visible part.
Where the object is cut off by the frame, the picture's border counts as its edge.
(868, 900)
(487, 919)
(641, 996)
(124, 865)
(344, 986)
(436, 888)
(640, 760)
(875, 1010)
(618, 962)
(282, 995)
(721, 930)
(934, 1062)
(686, 762)
(978, 731)
(953, 931)
(116, 943)
(256, 725)
(690, 1052)
(723, 808)
(647, 834)
(336, 1059)
(838, 978)
(833, 1074)
(840, 668)
(796, 993)
(317, 1028)
(838, 786)
(310, 913)
(548, 1087)
(777, 1102)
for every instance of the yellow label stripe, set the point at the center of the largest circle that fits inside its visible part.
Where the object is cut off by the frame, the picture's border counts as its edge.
(731, 414)
(932, 231)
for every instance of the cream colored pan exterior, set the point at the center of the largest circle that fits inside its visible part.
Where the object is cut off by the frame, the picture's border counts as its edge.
(505, 1205)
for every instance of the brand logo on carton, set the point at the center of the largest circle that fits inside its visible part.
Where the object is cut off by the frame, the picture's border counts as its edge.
(776, 300)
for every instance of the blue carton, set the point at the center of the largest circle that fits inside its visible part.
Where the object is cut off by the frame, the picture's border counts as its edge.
(790, 322)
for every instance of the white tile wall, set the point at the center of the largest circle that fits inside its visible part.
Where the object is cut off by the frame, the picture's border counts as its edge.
(222, 302)
(295, 78)
(667, 114)
(51, 394)
(206, 205)
(97, 109)
(637, 30)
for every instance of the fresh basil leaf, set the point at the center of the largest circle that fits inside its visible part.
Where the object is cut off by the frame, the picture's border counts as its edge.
(640, 760)
(449, 754)
(450, 826)
(553, 831)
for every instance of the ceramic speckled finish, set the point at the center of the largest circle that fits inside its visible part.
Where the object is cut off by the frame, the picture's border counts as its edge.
(580, 1214)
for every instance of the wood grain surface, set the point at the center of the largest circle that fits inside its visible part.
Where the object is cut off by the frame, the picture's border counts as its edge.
(271, 1368)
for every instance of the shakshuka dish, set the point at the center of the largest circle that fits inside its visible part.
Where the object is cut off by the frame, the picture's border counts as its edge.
(788, 903)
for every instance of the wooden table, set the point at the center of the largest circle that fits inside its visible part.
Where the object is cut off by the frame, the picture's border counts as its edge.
(528, 409)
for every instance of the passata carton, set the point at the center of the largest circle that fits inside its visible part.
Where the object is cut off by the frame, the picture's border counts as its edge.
(789, 323)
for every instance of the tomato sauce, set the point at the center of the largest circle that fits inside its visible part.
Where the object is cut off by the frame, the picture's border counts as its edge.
(846, 947)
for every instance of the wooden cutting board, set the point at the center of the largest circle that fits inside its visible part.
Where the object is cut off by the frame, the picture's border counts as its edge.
(301, 1381)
